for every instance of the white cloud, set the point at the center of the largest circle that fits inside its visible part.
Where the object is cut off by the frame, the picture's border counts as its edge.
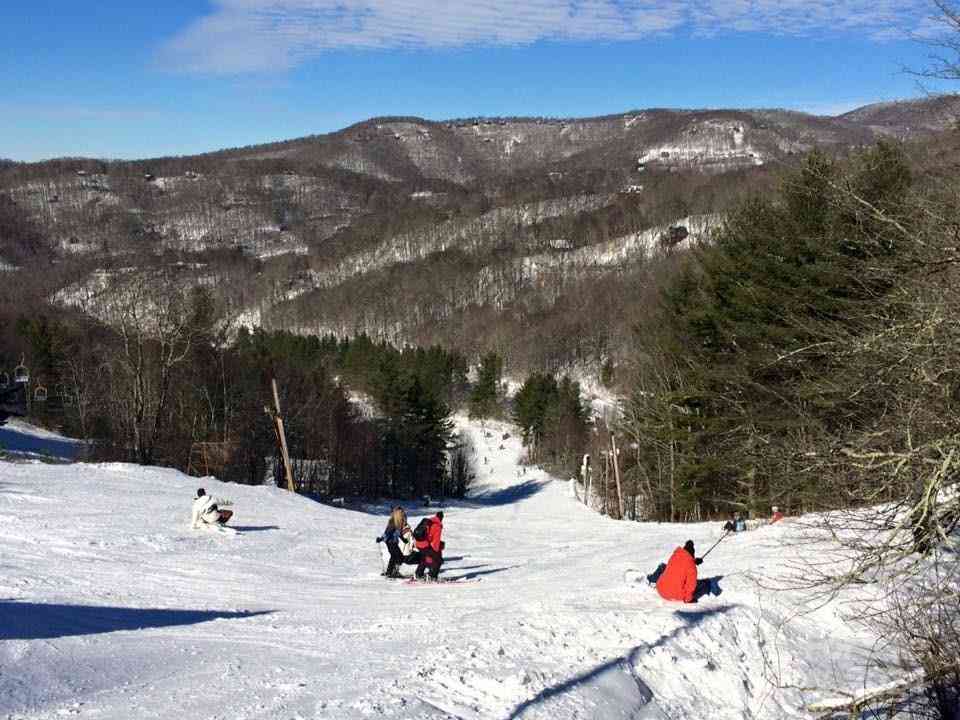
(256, 35)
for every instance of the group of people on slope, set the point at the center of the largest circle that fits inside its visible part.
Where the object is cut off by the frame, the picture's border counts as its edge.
(677, 579)
(737, 523)
(422, 547)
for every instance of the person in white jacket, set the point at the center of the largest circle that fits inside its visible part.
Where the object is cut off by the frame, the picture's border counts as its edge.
(206, 510)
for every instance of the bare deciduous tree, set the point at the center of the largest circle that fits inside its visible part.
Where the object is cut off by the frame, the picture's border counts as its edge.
(158, 320)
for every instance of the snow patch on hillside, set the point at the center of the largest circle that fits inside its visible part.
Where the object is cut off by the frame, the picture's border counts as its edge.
(237, 226)
(68, 193)
(604, 404)
(709, 144)
(619, 250)
(88, 294)
(471, 236)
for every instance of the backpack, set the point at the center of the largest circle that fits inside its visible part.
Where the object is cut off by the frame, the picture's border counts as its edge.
(420, 531)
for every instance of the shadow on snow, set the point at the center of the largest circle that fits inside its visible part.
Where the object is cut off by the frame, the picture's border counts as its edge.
(35, 621)
(620, 670)
(505, 496)
(416, 510)
(477, 573)
(253, 528)
(14, 441)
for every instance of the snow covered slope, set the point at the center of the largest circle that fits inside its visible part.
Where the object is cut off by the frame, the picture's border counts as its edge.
(23, 440)
(111, 607)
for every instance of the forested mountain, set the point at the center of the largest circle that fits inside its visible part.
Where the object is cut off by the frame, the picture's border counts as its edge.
(535, 237)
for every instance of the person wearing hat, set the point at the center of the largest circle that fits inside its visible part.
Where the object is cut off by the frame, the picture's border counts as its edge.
(777, 515)
(207, 510)
(431, 548)
(678, 581)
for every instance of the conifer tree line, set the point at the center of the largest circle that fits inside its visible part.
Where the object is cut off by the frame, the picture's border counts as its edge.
(814, 337)
(807, 357)
(157, 382)
(164, 377)
(553, 420)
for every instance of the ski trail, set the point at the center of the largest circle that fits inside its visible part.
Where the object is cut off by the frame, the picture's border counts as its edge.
(291, 619)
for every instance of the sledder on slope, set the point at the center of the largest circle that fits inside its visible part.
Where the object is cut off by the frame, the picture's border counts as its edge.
(677, 579)
(206, 510)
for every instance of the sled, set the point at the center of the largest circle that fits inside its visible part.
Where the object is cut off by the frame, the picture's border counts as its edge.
(442, 581)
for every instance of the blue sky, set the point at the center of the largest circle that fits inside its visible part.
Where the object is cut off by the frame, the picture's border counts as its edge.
(121, 79)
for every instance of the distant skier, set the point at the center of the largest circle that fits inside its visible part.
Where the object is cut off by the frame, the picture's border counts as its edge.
(677, 580)
(428, 538)
(777, 515)
(400, 544)
(731, 524)
(206, 510)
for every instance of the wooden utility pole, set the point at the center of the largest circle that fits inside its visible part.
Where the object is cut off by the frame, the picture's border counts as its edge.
(281, 435)
(616, 474)
(586, 499)
(606, 478)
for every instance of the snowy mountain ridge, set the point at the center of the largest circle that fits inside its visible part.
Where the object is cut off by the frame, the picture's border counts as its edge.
(462, 233)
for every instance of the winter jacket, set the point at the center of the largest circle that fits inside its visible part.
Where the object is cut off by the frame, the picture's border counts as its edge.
(777, 517)
(679, 580)
(434, 532)
(205, 510)
(406, 541)
(403, 537)
(390, 534)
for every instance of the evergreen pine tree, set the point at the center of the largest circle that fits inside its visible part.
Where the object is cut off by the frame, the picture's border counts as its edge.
(485, 396)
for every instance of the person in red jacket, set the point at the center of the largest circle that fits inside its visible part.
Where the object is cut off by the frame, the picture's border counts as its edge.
(430, 548)
(679, 580)
(777, 515)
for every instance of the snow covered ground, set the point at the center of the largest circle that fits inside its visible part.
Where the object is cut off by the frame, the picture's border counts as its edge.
(112, 607)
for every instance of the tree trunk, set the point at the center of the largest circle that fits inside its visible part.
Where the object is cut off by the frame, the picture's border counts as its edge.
(616, 475)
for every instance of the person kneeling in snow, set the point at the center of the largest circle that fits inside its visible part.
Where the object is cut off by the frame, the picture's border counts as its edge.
(206, 510)
(430, 545)
(677, 580)
(400, 543)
